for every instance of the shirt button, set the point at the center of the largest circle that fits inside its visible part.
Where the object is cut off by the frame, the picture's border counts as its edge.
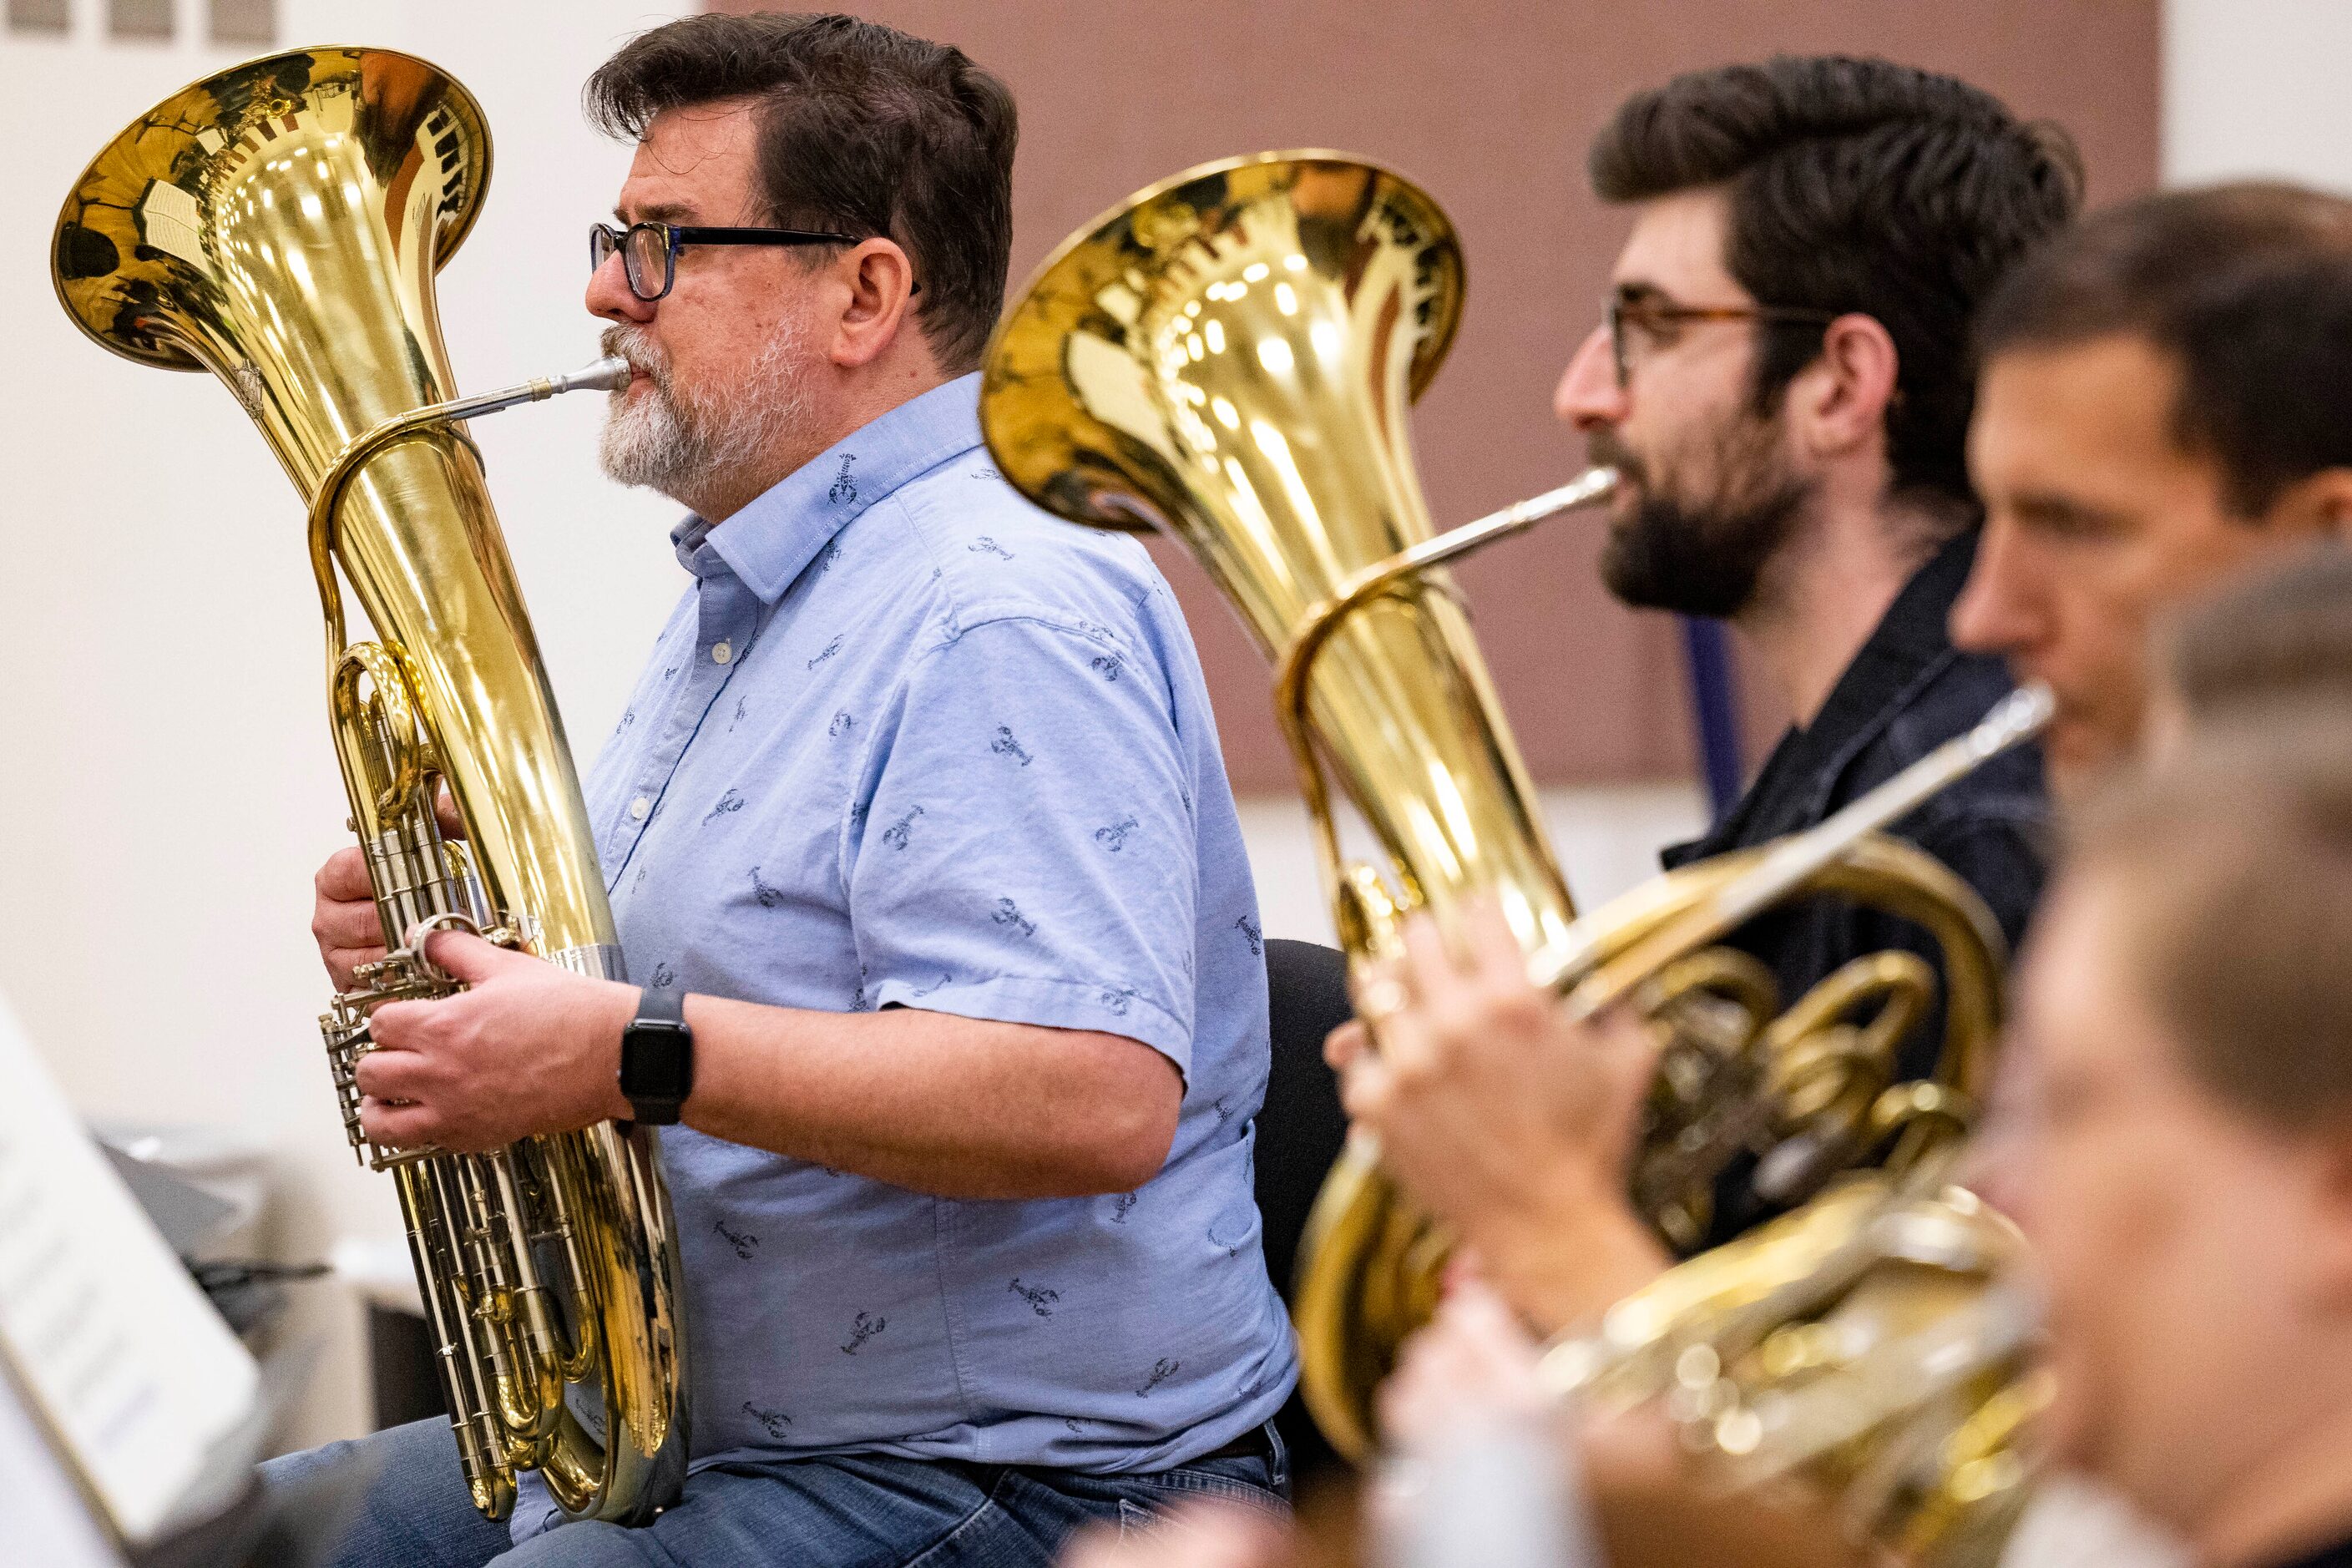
(721, 652)
(639, 806)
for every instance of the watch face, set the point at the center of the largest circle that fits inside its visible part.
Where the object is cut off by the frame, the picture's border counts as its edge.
(657, 1062)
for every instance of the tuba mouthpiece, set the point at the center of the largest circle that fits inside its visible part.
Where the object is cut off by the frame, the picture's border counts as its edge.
(610, 374)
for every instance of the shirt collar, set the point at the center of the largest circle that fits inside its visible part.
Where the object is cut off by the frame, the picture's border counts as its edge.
(771, 541)
(1911, 644)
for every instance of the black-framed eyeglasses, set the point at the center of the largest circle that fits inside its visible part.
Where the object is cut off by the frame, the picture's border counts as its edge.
(649, 251)
(1650, 315)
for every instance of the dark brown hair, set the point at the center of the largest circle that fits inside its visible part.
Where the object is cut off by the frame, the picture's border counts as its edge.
(1858, 185)
(2238, 918)
(864, 130)
(2279, 633)
(2246, 287)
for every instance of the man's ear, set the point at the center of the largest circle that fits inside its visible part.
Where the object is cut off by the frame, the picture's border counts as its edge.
(2321, 503)
(1839, 403)
(879, 285)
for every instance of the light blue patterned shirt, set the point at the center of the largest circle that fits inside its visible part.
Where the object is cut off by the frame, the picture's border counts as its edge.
(910, 741)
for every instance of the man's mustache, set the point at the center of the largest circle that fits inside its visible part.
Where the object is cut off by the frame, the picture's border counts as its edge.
(1602, 449)
(632, 344)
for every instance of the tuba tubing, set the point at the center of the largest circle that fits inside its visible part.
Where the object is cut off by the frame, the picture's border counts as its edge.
(279, 225)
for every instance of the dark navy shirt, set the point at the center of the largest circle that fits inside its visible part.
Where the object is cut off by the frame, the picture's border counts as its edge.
(1907, 692)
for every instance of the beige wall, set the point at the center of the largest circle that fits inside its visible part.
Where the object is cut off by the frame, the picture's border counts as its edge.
(1489, 104)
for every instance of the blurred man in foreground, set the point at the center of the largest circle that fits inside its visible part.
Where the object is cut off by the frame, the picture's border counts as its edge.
(2184, 1151)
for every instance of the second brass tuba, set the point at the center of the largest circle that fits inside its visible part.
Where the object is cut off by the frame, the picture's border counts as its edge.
(1229, 355)
(279, 225)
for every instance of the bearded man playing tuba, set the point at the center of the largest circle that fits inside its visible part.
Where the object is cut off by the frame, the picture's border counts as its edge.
(916, 821)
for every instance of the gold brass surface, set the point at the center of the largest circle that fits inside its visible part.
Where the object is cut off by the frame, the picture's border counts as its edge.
(1228, 356)
(1872, 1346)
(280, 224)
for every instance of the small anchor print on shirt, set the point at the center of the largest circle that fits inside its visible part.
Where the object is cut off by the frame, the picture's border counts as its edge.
(940, 984)
(1121, 1205)
(1162, 1371)
(729, 803)
(826, 652)
(843, 722)
(832, 556)
(1230, 1248)
(862, 1328)
(1252, 934)
(1040, 1300)
(984, 545)
(768, 897)
(1109, 666)
(663, 977)
(1114, 837)
(897, 834)
(1117, 998)
(738, 716)
(1008, 914)
(1004, 746)
(845, 489)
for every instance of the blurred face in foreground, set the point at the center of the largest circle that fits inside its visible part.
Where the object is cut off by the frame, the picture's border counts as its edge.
(2199, 1261)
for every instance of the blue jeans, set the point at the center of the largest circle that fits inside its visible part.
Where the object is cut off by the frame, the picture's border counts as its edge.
(866, 1510)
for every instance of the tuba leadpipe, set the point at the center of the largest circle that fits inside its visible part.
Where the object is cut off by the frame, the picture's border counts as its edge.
(279, 225)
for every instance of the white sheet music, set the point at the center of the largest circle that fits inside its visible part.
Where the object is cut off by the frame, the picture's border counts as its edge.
(135, 1374)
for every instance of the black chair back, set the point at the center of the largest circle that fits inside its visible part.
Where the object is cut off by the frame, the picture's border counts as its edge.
(1299, 1132)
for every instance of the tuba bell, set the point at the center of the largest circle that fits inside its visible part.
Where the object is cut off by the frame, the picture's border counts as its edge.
(1229, 356)
(279, 225)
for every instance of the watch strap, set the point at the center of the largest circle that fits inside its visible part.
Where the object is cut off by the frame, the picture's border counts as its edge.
(657, 1057)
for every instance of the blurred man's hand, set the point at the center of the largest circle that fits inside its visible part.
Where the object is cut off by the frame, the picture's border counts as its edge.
(1505, 1119)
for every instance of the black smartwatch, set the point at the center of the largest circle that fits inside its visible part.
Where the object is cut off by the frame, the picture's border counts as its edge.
(657, 1057)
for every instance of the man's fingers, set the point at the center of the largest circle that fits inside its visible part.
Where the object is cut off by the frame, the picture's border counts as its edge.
(1495, 957)
(390, 1075)
(1345, 1043)
(1367, 1089)
(468, 956)
(445, 811)
(397, 1126)
(346, 926)
(342, 962)
(344, 877)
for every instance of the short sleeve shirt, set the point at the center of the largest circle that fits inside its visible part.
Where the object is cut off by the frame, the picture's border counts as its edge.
(909, 740)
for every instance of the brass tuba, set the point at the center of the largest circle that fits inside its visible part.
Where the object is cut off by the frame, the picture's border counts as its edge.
(279, 225)
(1229, 355)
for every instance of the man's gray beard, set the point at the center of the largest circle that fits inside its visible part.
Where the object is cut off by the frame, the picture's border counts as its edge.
(670, 441)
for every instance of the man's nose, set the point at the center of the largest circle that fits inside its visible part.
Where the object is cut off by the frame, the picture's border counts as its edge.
(610, 296)
(1999, 608)
(1588, 397)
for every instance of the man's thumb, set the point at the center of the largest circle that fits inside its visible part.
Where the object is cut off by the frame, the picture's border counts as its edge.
(468, 957)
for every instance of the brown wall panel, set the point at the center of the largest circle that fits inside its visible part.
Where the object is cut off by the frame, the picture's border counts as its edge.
(1489, 104)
